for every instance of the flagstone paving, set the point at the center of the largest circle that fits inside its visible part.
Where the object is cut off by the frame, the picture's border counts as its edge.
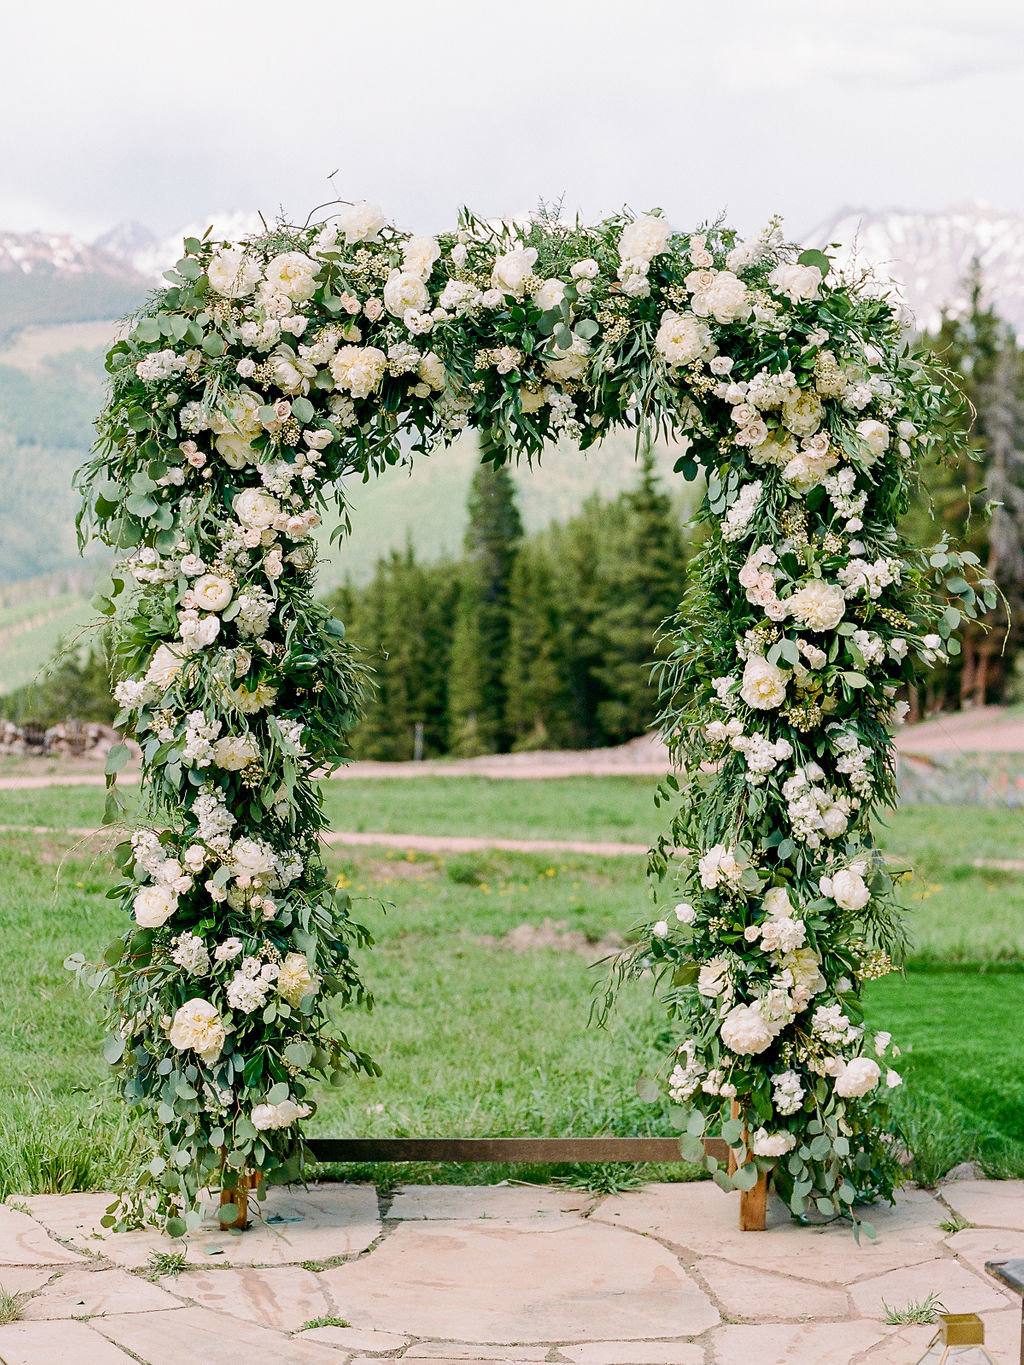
(515, 1274)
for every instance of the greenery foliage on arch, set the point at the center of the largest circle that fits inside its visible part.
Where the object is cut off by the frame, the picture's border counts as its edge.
(267, 370)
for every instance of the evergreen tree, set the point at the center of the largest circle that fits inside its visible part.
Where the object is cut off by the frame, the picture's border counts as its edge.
(477, 688)
(538, 712)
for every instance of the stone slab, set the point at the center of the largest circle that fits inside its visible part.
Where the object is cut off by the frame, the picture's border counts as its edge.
(206, 1338)
(284, 1296)
(959, 1289)
(352, 1339)
(635, 1353)
(46, 1343)
(975, 1246)
(293, 1226)
(24, 1279)
(487, 1201)
(817, 1343)
(989, 1203)
(503, 1282)
(24, 1242)
(748, 1295)
(84, 1292)
(514, 1359)
(698, 1216)
(906, 1344)
(447, 1350)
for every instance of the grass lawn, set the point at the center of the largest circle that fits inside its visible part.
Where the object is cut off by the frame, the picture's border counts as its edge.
(477, 1038)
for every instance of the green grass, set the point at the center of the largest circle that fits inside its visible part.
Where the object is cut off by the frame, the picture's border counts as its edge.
(477, 1039)
(30, 637)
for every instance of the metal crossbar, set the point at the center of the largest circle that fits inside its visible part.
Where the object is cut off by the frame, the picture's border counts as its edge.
(553, 1150)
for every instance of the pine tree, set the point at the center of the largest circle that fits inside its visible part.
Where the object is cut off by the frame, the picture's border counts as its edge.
(537, 677)
(477, 689)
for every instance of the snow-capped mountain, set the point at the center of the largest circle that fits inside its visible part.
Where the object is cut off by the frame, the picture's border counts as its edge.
(151, 255)
(56, 253)
(928, 256)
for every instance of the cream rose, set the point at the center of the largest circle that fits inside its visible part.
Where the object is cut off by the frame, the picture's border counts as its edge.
(295, 981)
(358, 370)
(570, 364)
(764, 685)
(431, 371)
(212, 592)
(744, 1030)
(256, 508)
(802, 415)
(644, 238)
(859, 1076)
(818, 605)
(154, 905)
(362, 222)
(725, 298)
(197, 1027)
(714, 978)
(249, 702)
(549, 295)
(234, 752)
(404, 290)
(236, 451)
(848, 889)
(280, 1115)
(232, 272)
(419, 255)
(511, 270)
(239, 412)
(875, 436)
(165, 665)
(683, 338)
(293, 274)
(799, 283)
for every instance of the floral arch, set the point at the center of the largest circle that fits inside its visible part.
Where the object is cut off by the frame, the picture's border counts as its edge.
(266, 370)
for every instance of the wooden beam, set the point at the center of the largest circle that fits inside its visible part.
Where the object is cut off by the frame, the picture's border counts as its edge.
(533, 1150)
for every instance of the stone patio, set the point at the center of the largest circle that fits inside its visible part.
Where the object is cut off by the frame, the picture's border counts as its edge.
(517, 1274)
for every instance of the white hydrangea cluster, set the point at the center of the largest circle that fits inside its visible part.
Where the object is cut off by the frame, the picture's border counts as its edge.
(787, 1092)
(685, 1077)
(199, 736)
(814, 811)
(190, 953)
(739, 515)
(214, 821)
(853, 759)
(718, 867)
(870, 578)
(762, 755)
(833, 1027)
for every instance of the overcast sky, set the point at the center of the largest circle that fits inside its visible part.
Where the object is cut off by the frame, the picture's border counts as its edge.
(116, 109)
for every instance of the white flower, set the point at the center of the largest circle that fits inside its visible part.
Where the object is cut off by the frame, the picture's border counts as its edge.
(510, 271)
(764, 685)
(251, 858)
(717, 865)
(212, 592)
(644, 238)
(255, 507)
(772, 1144)
(404, 290)
(165, 665)
(799, 283)
(802, 413)
(359, 369)
(685, 913)
(361, 222)
(660, 929)
(682, 338)
(232, 273)
(875, 435)
(154, 905)
(714, 978)
(549, 295)
(725, 298)
(432, 371)
(227, 950)
(250, 702)
(571, 363)
(419, 254)
(860, 1075)
(292, 274)
(818, 605)
(189, 953)
(787, 1092)
(264, 1116)
(587, 269)
(234, 752)
(197, 1026)
(848, 889)
(881, 1042)
(745, 1031)
(893, 1079)
(295, 980)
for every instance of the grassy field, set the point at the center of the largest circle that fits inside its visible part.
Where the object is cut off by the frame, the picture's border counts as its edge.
(478, 1035)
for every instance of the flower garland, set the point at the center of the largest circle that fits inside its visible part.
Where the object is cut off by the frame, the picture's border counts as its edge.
(264, 372)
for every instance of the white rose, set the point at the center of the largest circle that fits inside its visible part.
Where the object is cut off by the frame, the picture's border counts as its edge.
(776, 902)
(510, 270)
(154, 905)
(419, 255)
(644, 238)
(237, 413)
(361, 222)
(772, 1144)
(236, 451)
(859, 1076)
(569, 364)
(685, 913)
(359, 369)
(432, 371)
(254, 507)
(875, 435)
(744, 1030)
(248, 856)
(293, 274)
(404, 290)
(818, 605)
(799, 283)
(713, 978)
(212, 592)
(849, 889)
(906, 430)
(764, 685)
(549, 295)
(726, 299)
(165, 665)
(234, 752)
(232, 273)
(802, 415)
(586, 269)
(197, 1026)
(264, 1116)
(682, 338)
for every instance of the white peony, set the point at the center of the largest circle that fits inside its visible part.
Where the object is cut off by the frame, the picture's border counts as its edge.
(154, 905)
(251, 858)
(295, 980)
(764, 685)
(799, 283)
(359, 369)
(818, 605)
(212, 592)
(293, 274)
(587, 269)
(404, 290)
(683, 338)
(875, 436)
(776, 902)
(431, 371)
(549, 295)
(232, 272)
(510, 271)
(744, 1030)
(197, 1026)
(714, 978)
(165, 665)
(802, 413)
(569, 364)
(234, 752)
(644, 238)
(418, 255)
(236, 451)
(255, 507)
(685, 913)
(237, 412)
(772, 1144)
(361, 222)
(848, 889)
(281, 1115)
(725, 298)
(860, 1075)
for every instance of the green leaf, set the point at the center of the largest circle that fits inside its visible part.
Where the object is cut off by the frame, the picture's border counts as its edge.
(691, 1148)
(113, 1048)
(563, 337)
(176, 1227)
(818, 258)
(140, 505)
(587, 328)
(302, 409)
(214, 344)
(695, 1123)
(648, 1090)
(276, 1094)
(148, 329)
(117, 757)
(855, 680)
(732, 1131)
(746, 1176)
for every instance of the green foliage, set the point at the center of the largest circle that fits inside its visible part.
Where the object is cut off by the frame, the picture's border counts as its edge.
(75, 686)
(922, 1311)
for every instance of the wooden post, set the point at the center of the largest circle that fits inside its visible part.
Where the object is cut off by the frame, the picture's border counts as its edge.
(753, 1202)
(239, 1197)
